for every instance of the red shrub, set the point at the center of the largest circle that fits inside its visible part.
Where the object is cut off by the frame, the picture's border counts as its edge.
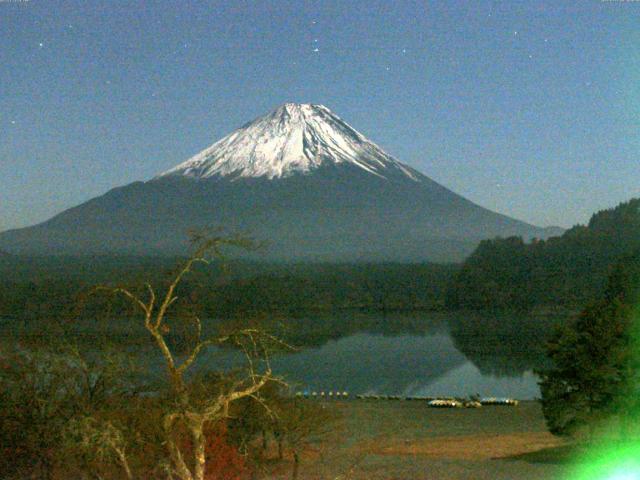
(224, 462)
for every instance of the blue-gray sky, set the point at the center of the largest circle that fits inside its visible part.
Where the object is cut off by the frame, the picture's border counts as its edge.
(530, 108)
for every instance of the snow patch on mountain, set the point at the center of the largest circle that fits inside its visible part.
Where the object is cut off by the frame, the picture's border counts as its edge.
(295, 138)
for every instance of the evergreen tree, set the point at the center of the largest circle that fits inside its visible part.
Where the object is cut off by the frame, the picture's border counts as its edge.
(596, 360)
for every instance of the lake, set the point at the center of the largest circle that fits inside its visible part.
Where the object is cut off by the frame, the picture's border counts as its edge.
(409, 365)
(419, 354)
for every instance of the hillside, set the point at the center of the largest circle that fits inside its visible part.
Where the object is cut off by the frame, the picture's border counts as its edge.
(568, 270)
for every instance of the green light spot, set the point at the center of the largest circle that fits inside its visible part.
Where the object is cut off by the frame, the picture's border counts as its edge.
(624, 475)
(613, 462)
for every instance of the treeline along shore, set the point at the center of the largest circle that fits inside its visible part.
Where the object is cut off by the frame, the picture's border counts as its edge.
(559, 274)
(31, 286)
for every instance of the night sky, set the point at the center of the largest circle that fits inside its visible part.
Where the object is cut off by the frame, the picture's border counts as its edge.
(529, 108)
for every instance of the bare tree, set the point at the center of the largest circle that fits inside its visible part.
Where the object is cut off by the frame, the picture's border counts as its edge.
(103, 439)
(193, 409)
(299, 423)
(42, 391)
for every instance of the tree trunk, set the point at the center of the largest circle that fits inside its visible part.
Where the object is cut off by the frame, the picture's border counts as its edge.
(125, 463)
(280, 449)
(176, 457)
(199, 452)
(296, 465)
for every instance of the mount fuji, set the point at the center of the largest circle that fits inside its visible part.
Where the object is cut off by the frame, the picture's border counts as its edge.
(300, 178)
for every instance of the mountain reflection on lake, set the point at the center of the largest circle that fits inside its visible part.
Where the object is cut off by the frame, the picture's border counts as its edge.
(418, 355)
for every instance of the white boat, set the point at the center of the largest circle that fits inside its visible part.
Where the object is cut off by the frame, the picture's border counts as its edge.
(499, 401)
(444, 403)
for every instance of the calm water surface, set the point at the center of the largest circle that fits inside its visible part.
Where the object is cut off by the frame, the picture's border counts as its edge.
(420, 356)
(401, 365)
(412, 355)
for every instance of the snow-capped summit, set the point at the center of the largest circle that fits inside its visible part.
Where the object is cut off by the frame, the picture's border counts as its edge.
(294, 138)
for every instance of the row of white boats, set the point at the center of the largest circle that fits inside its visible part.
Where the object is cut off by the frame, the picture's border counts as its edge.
(431, 401)
(462, 403)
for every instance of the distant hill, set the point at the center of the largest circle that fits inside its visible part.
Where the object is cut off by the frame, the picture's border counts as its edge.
(299, 177)
(568, 270)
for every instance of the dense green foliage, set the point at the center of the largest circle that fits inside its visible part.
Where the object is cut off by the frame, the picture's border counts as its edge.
(379, 287)
(595, 375)
(568, 270)
(32, 288)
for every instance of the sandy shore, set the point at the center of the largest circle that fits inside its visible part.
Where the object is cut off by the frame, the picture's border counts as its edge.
(407, 440)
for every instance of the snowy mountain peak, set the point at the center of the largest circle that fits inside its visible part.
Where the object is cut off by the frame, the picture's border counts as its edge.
(294, 138)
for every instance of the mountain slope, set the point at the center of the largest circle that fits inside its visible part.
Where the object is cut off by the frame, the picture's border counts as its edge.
(300, 178)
